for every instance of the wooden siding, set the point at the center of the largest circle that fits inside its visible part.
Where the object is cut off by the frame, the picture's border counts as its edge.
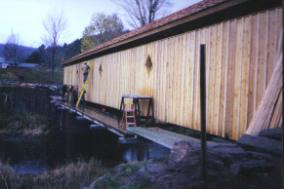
(240, 57)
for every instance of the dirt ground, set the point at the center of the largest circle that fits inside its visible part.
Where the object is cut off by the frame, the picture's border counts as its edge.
(228, 166)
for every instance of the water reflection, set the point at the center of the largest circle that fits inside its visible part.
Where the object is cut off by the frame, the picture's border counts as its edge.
(69, 139)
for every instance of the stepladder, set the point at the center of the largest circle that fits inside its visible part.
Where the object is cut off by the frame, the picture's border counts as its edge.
(129, 116)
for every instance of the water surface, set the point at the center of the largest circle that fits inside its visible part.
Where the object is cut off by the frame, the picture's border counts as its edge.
(69, 139)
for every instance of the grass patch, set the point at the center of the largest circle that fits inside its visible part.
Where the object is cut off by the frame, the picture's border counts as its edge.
(110, 182)
(129, 169)
(71, 176)
(23, 123)
(126, 176)
(142, 183)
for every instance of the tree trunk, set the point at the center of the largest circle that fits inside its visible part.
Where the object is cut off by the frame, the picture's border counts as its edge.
(53, 62)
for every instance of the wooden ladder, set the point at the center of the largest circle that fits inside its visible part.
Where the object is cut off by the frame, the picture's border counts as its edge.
(129, 117)
(83, 89)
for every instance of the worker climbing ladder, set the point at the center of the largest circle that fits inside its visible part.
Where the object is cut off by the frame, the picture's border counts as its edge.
(83, 89)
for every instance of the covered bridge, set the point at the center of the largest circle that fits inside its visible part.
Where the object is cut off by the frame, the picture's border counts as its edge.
(161, 60)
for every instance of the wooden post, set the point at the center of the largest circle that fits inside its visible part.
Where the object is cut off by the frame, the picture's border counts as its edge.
(281, 47)
(203, 110)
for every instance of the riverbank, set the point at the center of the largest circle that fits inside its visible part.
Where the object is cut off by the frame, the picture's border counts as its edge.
(23, 127)
(23, 124)
(40, 144)
(228, 166)
(33, 127)
(36, 75)
(70, 176)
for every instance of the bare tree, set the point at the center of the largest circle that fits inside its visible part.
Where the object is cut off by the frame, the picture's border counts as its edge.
(54, 26)
(11, 49)
(142, 12)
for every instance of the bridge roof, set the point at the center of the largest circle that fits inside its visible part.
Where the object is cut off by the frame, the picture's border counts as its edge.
(203, 13)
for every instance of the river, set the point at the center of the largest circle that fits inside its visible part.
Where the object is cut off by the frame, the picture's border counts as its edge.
(68, 139)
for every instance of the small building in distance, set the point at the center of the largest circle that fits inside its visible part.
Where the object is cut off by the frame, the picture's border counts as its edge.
(27, 65)
(3, 64)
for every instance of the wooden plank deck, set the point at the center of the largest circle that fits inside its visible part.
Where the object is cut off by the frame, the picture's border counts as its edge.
(161, 136)
(154, 134)
(99, 118)
(104, 118)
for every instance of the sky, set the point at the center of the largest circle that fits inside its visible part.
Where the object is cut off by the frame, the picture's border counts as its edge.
(25, 18)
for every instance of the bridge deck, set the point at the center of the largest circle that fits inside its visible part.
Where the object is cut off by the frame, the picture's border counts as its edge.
(155, 134)
(98, 118)
(161, 136)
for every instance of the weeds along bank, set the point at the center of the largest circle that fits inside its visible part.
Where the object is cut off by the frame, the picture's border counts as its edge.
(23, 111)
(25, 119)
(70, 176)
(40, 144)
(25, 124)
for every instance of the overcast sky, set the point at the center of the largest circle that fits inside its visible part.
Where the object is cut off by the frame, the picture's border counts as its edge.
(24, 17)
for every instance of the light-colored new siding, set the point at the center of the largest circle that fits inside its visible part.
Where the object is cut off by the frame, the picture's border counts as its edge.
(240, 57)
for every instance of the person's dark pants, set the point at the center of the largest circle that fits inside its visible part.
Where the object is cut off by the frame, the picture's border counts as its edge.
(85, 77)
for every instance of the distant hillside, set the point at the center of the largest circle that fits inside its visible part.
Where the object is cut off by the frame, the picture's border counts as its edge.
(25, 51)
(40, 55)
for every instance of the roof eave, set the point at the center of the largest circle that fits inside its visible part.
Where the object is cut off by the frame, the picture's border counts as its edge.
(185, 20)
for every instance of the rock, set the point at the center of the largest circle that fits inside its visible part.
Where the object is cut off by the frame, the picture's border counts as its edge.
(249, 166)
(257, 155)
(227, 151)
(255, 165)
(214, 163)
(261, 144)
(275, 133)
(235, 168)
(179, 151)
(154, 168)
